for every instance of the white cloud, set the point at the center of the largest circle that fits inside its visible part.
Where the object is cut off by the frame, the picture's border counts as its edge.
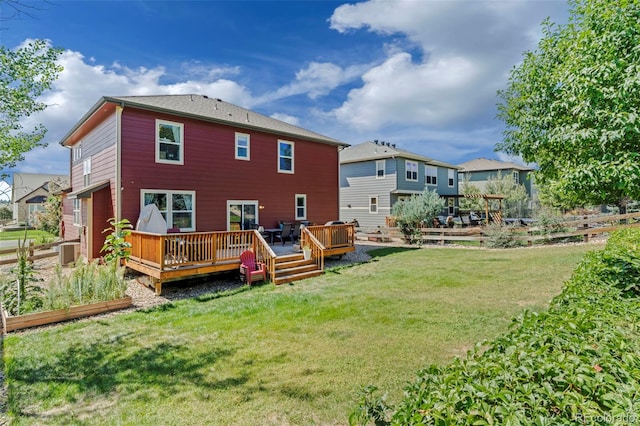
(466, 50)
(286, 118)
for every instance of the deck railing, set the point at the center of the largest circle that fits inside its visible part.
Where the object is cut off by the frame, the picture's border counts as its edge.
(334, 236)
(166, 251)
(307, 239)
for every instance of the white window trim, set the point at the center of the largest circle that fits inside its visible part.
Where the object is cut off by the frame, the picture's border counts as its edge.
(248, 137)
(433, 177)
(303, 197)
(77, 212)
(169, 193)
(77, 152)
(180, 161)
(380, 165)
(406, 169)
(292, 157)
(377, 204)
(242, 202)
(516, 177)
(451, 181)
(86, 172)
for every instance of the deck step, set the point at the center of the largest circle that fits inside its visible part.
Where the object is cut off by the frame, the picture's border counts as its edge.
(294, 267)
(283, 279)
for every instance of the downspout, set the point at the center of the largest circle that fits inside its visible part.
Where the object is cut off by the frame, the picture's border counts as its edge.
(118, 180)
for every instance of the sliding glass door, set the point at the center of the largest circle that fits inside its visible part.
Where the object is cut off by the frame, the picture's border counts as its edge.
(241, 215)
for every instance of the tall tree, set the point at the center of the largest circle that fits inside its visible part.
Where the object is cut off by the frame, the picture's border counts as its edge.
(25, 73)
(572, 106)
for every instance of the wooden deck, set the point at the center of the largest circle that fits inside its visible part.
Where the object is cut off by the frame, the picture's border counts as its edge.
(169, 257)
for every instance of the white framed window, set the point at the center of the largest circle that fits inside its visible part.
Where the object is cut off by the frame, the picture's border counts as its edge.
(76, 152)
(451, 177)
(373, 204)
(86, 172)
(411, 169)
(177, 207)
(516, 178)
(431, 175)
(301, 206)
(169, 142)
(77, 211)
(285, 157)
(243, 145)
(380, 169)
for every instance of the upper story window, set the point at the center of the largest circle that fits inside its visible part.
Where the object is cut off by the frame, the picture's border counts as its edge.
(169, 142)
(177, 207)
(431, 175)
(301, 206)
(380, 169)
(285, 157)
(411, 168)
(516, 178)
(76, 152)
(86, 172)
(243, 142)
(451, 177)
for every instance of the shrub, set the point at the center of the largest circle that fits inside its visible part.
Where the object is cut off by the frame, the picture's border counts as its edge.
(500, 236)
(578, 363)
(20, 294)
(414, 212)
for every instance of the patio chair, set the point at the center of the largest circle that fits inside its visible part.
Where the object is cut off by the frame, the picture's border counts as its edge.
(295, 234)
(250, 270)
(286, 233)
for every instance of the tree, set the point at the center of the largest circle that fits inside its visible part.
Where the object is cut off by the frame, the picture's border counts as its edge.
(49, 219)
(417, 211)
(515, 195)
(25, 73)
(573, 106)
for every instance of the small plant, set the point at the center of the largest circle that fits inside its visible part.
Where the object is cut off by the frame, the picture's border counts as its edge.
(370, 407)
(19, 293)
(115, 245)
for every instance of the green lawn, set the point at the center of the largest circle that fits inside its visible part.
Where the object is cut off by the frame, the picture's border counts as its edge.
(33, 234)
(288, 355)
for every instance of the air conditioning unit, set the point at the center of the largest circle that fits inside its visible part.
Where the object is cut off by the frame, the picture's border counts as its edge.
(69, 253)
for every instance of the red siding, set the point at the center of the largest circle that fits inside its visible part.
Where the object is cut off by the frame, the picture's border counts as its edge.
(210, 169)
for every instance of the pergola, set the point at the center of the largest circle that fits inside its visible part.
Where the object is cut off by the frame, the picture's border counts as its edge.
(496, 216)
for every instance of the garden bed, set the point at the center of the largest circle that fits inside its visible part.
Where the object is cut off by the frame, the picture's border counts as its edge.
(12, 323)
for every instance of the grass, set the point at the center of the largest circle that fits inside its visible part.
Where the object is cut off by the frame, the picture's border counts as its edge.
(288, 355)
(33, 234)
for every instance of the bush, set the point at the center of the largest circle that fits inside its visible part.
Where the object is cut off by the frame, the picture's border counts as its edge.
(413, 213)
(500, 236)
(578, 363)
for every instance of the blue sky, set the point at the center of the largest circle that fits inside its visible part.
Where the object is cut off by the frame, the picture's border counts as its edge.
(421, 74)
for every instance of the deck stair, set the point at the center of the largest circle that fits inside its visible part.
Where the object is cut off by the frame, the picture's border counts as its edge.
(293, 267)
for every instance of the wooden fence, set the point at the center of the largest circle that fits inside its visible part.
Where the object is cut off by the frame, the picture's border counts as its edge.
(33, 248)
(585, 228)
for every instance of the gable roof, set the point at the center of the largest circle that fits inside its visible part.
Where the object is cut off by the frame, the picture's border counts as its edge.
(485, 164)
(202, 107)
(375, 150)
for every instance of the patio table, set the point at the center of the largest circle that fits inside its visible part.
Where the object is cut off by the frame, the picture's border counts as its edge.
(272, 232)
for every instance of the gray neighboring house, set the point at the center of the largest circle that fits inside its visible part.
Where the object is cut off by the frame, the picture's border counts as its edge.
(25, 187)
(375, 175)
(479, 170)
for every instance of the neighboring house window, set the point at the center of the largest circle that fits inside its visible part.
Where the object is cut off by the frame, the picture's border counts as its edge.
(301, 206)
(169, 142)
(411, 170)
(451, 177)
(86, 172)
(242, 146)
(77, 217)
(451, 204)
(379, 169)
(373, 204)
(516, 178)
(77, 152)
(285, 157)
(177, 207)
(431, 175)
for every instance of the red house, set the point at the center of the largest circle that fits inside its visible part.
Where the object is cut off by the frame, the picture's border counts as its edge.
(207, 164)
